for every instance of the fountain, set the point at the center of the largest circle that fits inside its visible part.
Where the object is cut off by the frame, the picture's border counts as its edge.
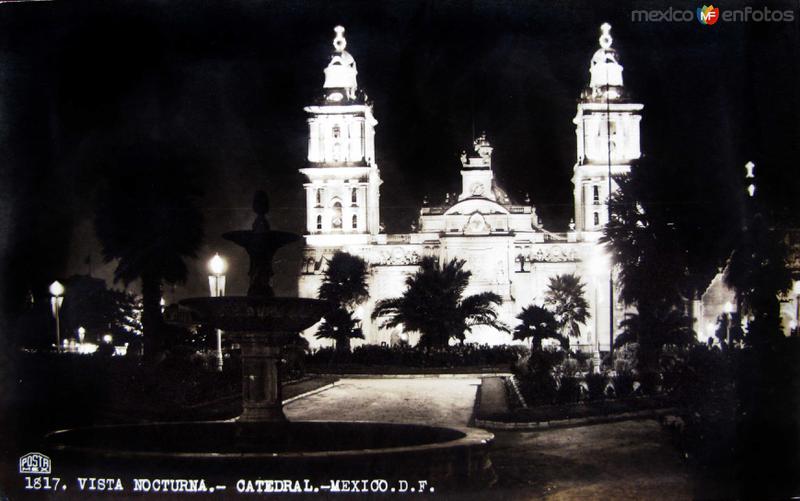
(261, 441)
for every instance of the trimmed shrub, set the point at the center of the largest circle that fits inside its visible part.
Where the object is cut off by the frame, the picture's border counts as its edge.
(105, 350)
(452, 356)
(596, 386)
(569, 389)
(649, 381)
(623, 384)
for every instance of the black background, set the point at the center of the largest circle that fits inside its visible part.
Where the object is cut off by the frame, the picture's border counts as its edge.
(228, 80)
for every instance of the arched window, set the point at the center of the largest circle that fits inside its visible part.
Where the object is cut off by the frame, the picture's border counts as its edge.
(319, 222)
(355, 222)
(597, 219)
(336, 220)
(354, 195)
(319, 196)
(596, 194)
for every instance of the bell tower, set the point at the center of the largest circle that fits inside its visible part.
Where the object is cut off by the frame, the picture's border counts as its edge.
(607, 133)
(342, 192)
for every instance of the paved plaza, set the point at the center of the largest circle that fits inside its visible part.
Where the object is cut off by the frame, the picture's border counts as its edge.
(623, 460)
(430, 400)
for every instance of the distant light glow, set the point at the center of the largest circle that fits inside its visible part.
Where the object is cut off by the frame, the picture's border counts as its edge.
(750, 166)
(57, 289)
(81, 334)
(107, 338)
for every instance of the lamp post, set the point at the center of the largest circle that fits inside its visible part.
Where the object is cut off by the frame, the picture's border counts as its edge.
(728, 308)
(216, 284)
(57, 293)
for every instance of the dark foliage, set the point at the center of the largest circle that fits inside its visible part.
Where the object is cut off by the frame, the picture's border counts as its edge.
(758, 273)
(652, 329)
(538, 323)
(650, 382)
(342, 327)
(433, 304)
(147, 220)
(344, 281)
(344, 284)
(623, 384)
(569, 389)
(452, 356)
(596, 386)
(565, 297)
(99, 310)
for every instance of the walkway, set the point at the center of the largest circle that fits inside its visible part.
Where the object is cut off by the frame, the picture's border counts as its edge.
(623, 460)
(442, 401)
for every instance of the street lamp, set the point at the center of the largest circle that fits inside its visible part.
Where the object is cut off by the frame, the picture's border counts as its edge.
(216, 284)
(57, 291)
(81, 334)
(216, 281)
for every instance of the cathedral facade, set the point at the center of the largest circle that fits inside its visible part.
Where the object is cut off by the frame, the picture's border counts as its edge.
(504, 243)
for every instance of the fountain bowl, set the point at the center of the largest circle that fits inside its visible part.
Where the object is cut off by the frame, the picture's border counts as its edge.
(315, 450)
(254, 313)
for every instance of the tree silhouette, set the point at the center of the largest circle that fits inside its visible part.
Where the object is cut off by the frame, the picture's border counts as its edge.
(433, 304)
(344, 285)
(565, 297)
(146, 220)
(538, 323)
(652, 329)
(758, 274)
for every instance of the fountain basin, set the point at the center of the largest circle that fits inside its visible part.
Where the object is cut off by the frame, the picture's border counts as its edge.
(254, 313)
(315, 450)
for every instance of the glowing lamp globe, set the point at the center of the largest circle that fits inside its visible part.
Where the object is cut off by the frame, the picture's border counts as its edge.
(217, 265)
(56, 289)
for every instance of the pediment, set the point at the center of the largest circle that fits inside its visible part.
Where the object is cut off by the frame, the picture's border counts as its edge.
(476, 204)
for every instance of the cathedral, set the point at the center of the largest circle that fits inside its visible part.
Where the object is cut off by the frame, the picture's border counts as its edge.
(504, 243)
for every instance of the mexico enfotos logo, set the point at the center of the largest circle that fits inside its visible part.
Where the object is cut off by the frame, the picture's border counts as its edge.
(708, 15)
(34, 463)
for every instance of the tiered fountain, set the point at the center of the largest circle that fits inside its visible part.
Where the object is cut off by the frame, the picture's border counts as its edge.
(261, 441)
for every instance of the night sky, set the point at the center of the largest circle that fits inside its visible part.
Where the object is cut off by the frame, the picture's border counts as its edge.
(227, 81)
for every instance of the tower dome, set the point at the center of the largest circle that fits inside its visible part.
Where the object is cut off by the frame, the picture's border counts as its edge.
(340, 74)
(605, 70)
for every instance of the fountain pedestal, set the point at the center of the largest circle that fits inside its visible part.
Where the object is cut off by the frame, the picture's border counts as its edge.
(262, 400)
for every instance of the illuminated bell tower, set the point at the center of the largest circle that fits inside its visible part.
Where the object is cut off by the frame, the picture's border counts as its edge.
(607, 132)
(342, 192)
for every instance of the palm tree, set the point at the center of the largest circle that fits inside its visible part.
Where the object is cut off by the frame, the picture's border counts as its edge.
(344, 285)
(644, 242)
(147, 220)
(340, 326)
(538, 323)
(433, 304)
(345, 280)
(565, 297)
(758, 273)
(652, 329)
